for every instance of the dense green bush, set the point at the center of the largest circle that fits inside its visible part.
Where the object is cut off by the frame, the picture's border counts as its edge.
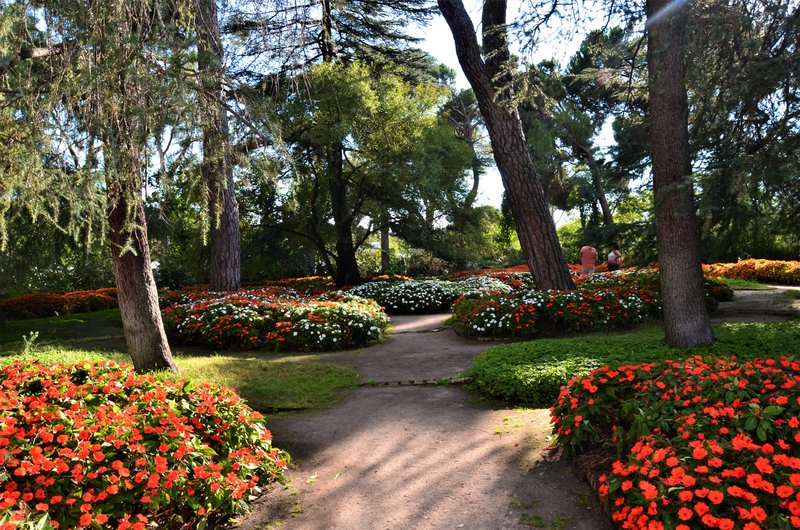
(531, 373)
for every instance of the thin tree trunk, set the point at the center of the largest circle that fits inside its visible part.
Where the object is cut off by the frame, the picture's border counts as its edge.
(469, 201)
(385, 251)
(217, 166)
(594, 170)
(686, 319)
(535, 227)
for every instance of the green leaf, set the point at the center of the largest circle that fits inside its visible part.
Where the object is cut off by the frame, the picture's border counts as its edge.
(750, 423)
(761, 433)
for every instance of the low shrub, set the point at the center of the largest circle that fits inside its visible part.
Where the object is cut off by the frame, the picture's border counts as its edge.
(40, 305)
(414, 297)
(700, 443)
(516, 279)
(532, 313)
(275, 319)
(760, 270)
(531, 373)
(602, 301)
(94, 445)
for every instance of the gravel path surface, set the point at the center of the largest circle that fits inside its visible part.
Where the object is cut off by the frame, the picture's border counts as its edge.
(422, 457)
(777, 304)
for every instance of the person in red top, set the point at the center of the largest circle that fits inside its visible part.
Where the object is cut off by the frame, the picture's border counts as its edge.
(588, 259)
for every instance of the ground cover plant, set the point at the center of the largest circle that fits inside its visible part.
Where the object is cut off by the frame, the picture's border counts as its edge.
(96, 445)
(96, 326)
(532, 373)
(761, 270)
(743, 285)
(275, 319)
(700, 443)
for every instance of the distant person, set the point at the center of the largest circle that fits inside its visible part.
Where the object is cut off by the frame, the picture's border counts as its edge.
(614, 259)
(588, 259)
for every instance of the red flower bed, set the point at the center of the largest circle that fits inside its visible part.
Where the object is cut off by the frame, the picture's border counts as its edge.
(41, 305)
(700, 444)
(95, 445)
(761, 270)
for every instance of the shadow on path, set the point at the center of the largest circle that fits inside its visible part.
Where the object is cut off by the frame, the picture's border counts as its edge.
(422, 457)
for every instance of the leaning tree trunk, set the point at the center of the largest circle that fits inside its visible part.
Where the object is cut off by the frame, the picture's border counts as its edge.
(217, 166)
(686, 319)
(535, 227)
(136, 288)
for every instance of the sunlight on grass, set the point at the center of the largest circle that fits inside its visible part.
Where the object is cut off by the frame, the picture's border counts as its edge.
(744, 285)
(268, 385)
(273, 384)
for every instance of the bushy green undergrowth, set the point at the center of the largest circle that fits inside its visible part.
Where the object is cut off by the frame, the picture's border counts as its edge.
(531, 373)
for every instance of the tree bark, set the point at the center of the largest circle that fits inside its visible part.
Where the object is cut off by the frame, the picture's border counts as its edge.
(492, 86)
(686, 319)
(347, 272)
(217, 167)
(594, 170)
(136, 288)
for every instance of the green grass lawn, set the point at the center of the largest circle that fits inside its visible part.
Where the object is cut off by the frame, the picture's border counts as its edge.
(271, 383)
(744, 285)
(531, 373)
(65, 330)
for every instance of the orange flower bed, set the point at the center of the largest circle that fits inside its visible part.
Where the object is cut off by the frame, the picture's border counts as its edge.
(41, 305)
(759, 270)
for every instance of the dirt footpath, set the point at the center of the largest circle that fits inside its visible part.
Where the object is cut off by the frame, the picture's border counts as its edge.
(420, 456)
(401, 455)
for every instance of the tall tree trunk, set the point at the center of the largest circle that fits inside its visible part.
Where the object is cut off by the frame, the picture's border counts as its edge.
(136, 288)
(217, 166)
(347, 272)
(327, 45)
(535, 227)
(686, 319)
